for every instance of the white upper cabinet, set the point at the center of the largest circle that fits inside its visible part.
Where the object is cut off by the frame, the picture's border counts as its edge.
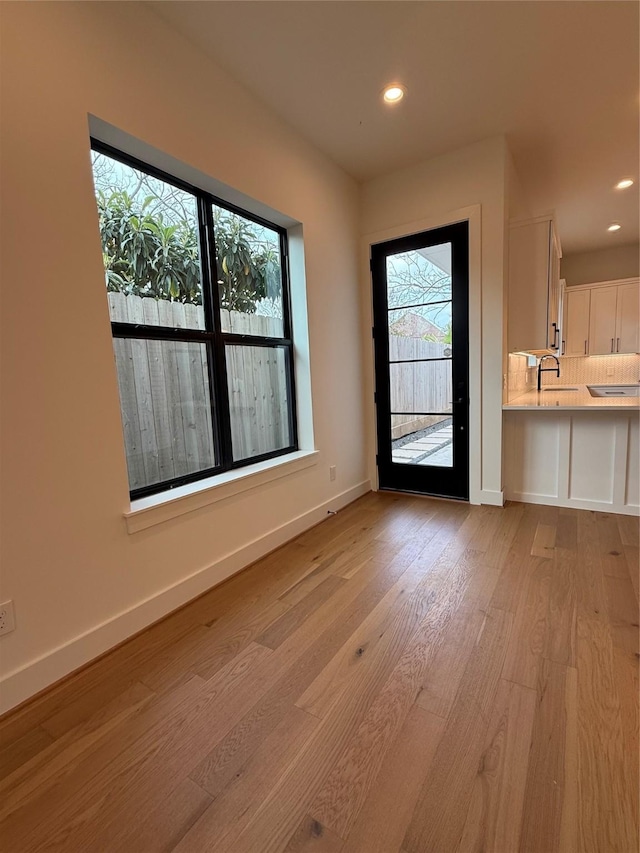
(575, 323)
(554, 311)
(628, 318)
(602, 326)
(534, 287)
(601, 319)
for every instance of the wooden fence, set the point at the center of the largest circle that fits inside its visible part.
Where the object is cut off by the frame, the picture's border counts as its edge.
(164, 391)
(422, 386)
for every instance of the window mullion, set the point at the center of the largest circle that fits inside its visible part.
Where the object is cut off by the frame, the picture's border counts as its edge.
(288, 331)
(219, 361)
(209, 320)
(291, 396)
(286, 289)
(254, 340)
(158, 333)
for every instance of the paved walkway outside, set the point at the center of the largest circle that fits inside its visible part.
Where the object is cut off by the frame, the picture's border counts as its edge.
(433, 449)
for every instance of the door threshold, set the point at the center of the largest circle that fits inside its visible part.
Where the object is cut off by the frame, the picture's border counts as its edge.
(426, 495)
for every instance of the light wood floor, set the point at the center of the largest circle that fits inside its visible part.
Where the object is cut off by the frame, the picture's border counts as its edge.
(411, 675)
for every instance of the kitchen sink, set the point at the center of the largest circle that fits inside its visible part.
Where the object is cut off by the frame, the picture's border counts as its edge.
(614, 390)
(558, 388)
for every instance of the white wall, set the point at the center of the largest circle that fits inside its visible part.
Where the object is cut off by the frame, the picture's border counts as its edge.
(68, 562)
(601, 264)
(474, 175)
(518, 204)
(517, 207)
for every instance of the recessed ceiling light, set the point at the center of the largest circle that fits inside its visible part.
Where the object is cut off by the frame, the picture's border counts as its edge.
(624, 184)
(393, 93)
(615, 226)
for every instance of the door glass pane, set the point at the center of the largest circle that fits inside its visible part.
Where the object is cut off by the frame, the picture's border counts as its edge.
(422, 440)
(249, 275)
(166, 409)
(150, 249)
(419, 300)
(258, 400)
(419, 277)
(410, 348)
(421, 386)
(422, 322)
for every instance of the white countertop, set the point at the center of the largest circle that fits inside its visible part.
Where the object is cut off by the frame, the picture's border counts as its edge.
(569, 401)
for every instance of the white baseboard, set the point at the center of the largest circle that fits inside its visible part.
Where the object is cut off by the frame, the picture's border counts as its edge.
(25, 682)
(574, 503)
(492, 498)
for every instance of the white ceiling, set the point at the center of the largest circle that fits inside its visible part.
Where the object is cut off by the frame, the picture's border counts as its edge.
(560, 78)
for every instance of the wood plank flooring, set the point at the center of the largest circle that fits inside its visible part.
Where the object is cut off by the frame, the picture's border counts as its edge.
(411, 676)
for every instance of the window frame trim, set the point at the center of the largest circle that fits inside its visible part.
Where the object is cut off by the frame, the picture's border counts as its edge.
(212, 336)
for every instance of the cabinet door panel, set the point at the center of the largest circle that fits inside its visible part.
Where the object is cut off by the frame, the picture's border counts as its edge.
(628, 318)
(529, 257)
(576, 322)
(602, 326)
(553, 319)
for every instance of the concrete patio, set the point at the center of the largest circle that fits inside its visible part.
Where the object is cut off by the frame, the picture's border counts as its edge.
(436, 448)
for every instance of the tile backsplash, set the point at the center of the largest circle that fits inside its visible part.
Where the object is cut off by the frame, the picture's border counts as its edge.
(584, 370)
(596, 370)
(521, 378)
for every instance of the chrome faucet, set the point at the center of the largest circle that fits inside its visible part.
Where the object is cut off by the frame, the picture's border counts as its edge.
(542, 369)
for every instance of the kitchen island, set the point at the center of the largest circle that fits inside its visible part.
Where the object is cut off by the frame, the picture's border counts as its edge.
(568, 448)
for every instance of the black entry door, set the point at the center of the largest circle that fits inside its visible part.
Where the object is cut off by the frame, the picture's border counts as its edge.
(421, 335)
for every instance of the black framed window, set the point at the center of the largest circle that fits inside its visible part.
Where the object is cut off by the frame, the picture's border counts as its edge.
(199, 303)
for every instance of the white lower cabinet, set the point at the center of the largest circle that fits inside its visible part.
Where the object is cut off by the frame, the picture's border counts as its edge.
(586, 460)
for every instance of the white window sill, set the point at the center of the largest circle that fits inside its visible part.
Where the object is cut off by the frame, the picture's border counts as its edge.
(156, 509)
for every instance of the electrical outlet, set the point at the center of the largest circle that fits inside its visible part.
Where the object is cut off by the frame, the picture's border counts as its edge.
(332, 472)
(7, 617)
